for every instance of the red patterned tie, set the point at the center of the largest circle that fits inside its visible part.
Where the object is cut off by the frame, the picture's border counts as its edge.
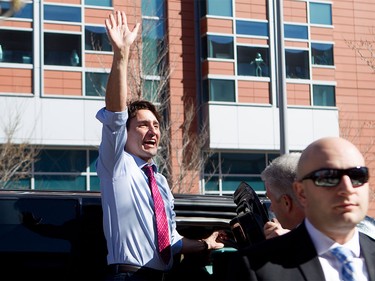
(161, 218)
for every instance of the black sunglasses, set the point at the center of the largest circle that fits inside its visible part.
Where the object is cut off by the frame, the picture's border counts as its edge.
(331, 177)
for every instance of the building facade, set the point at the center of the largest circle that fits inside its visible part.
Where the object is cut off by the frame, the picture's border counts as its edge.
(263, 77)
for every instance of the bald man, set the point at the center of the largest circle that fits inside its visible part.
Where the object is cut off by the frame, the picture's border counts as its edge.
(332, 186)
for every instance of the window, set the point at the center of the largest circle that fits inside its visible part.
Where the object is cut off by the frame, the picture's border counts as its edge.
(57, 169)
(324, 95)
(96, 39)
(213, 8)
(294, 31)
(62, 49)
(252, 61)
(25, 13)
(225, 171)
(219, 90)
(153, 8)
(16, 46)
(62, 169)
(103, 3)
(253, 28)
(321, 54)
(153, 90)
(153, 47)
(96, 84)
(297, 64)
(62, 13)
(56, 216)
(219, 47)
(320, 13)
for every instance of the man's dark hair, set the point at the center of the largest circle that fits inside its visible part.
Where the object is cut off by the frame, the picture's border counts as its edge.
(134, 106)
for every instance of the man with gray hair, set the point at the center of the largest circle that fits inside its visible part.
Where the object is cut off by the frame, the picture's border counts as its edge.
(278, 178)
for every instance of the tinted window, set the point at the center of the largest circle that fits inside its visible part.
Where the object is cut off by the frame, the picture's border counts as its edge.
(60, 182)
(320, 13)
(96, 39)
(252, 28)
(220, 47)
(252, 61)
(55, 218)
(322, 54)
(62, 49)
(222, 90)
(297, 64)
(224, 8)
(324, 95)
(61, 161)
(17, 46)
(96, 83)
(25, 13)
(103, 3)
(62, 13)
(153, 46)
(152, 90)
(295, 31)
(153, 8)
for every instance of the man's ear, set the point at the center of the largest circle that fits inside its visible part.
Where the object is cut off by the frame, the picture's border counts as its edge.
(299, 192)
(287, 202)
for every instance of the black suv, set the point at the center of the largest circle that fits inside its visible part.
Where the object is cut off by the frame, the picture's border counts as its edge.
(58, 235)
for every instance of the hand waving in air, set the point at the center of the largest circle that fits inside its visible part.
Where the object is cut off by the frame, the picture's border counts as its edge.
(118, 31)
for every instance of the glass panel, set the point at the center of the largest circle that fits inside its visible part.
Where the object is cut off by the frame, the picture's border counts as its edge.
(320, 13)
(96, 84)
(16, 46)
(239, 163)
(94, 183)
(19, 184)
(152, 91)
(232, 183)
(25, 13)
(61, 161)
(222, 90)
(212, 184)
(153, 8)
(56, 53)
(252, 28)
(103, 3)
(93, 156)
(324, 95)
(212, 164)
(220, 47)
(224, 8)
(297, 64)
(56, 218)
(96, 39)
(153, 47)
(62, 13)
(321, 54)
(295, 31)
(252, 61)
(61, 182)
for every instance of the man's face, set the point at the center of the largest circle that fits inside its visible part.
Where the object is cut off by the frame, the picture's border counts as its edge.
(334, 210)
(143, 135)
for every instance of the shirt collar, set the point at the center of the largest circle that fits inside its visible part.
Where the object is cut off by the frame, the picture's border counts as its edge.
(323, 243)
(141, 163)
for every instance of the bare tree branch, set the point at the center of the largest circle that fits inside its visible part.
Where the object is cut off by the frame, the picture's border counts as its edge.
(16, 160)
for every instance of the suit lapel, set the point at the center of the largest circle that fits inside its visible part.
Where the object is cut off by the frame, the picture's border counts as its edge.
(368, 251)
(311, 269)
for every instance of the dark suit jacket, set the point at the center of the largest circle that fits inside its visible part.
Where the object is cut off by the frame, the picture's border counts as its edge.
(291, 256)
